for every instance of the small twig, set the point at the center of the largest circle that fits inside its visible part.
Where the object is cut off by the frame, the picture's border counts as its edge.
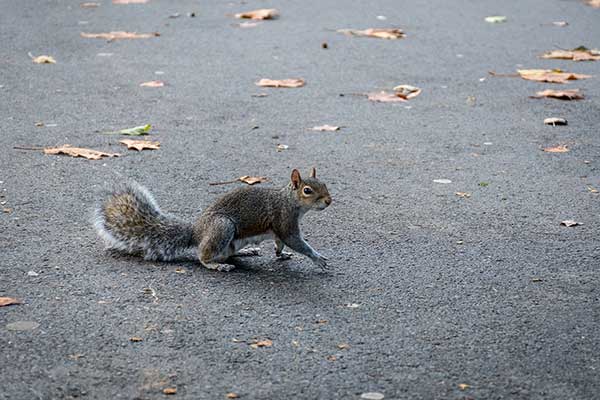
(492, 73)
(28, 148)
(224, 182)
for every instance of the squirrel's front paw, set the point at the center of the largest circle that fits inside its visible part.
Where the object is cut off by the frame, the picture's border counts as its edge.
(321, 261)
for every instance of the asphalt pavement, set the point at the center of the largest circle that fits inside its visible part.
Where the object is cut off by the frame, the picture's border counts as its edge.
(432, 295)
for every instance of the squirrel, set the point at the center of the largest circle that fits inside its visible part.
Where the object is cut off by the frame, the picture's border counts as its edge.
(130, 221)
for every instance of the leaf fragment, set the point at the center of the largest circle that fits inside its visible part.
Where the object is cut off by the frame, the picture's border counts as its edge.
(282, 147)
(152, 84)
(466, 195)
(170, 390)
(8, 301)
(326, 128)
(89, 154)
(551, 76)
(463, 386)
(281, 83)
(252, 180)
(263, 13)
(562, 148)
(407, 91)
(569, 94)
(495, 19)
(136, 339)
(232, 395)
(119, 35)
(555, 121)
(569, 223)
(379, 33)
(261, 343)
(44, 60)
(577, 54)
(343, 346)
(140, 145)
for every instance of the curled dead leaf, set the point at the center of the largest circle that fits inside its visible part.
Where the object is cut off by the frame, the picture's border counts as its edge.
(570, 94)
(170, 390)
(263, 13)
(463, 194)
(136, 339)
(569, 223)
(8, 301)
(578, 54)
(281, 83)
(563, 148)
(152, 84)
(343, 346)
(250, 180)
(261, 343)
(407, 91)
(44, 60)
(119, 35)
(326, 128)
(551, 76)
(390, 33)
(555, 121)
(79, 152)
(232, 395)
(385, 97)
(331, 358)
(140, 145)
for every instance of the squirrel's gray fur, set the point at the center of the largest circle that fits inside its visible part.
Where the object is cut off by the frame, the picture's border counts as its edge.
(129, 220)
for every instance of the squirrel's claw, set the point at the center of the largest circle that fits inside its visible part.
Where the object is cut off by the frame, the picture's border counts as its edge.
(321, 261)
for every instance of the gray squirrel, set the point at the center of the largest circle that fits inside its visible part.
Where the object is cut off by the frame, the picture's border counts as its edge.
(129, 220)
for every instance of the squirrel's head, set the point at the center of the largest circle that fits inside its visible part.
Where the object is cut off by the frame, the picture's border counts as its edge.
(311, 192)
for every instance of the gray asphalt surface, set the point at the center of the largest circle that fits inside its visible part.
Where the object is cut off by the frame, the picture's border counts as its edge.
(489, 291)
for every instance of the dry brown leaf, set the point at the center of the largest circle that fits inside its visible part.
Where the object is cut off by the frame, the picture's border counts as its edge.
(89, 5)
(569, 223)
(407, 91)
(8, 301)
(119, 35)
(592, 189)
(232, 395)
(578, 54)
(385, 97)
(253, 180)
(44, 60)
(331, 358)
(343, 346)
(463, 194)
(326, 128)
(548, 75)
(463, 386)
(152, 84)
(281, 83)
(140, 145)
(261, 343)
(391, 33)
(263, 13)
(570, 94)
(129, 1)
(170, 390)
(79, 152)
(555, 121)
(7, 210)
(136, 339)
(321, 321)
(562, 148)
(593, 3)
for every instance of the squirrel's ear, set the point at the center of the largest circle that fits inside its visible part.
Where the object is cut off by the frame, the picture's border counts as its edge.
(313, 172)
(296, 179)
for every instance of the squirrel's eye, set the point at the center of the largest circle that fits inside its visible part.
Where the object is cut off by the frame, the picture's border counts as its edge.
(307, 190)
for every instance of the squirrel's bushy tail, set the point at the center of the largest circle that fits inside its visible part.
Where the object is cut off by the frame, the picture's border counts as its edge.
(129, 220)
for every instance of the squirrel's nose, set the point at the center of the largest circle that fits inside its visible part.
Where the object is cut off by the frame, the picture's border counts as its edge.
(328, 200)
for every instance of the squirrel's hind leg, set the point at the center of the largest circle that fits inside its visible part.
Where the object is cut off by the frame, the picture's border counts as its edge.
(215, 246)
(279, 253)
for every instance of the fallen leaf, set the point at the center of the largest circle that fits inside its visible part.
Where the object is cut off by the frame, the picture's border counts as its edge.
(555, 121)
(170, 390)
(593, 3)
(326, 128)
(44, 60)
(570, 94)
(463, 194)
(140, 145)
(232, 395)
(282, 147)
(560, 23)
(119, 35)
(444, 181)
(7, 301)
(407, 91)
(89, 5)
(569, 223)
(577, 54)
(152, 84)
(343, 346)
(592, 190)
(281, 83)
(552, 76)
(129, 1)
(135, 131)
(79, 152)
(136, 339)
(384, 97)
(38, 124)
(495, 19)
(331, 358)
(391, 33)
(557, 149)
(6, 210)
(180, 270)
(261, 343)
(253, 180)
(263, 13)
(463, 386)
(372, 396)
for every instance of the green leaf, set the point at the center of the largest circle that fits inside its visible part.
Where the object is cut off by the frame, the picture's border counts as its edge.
(135, 131)
(495, 19)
